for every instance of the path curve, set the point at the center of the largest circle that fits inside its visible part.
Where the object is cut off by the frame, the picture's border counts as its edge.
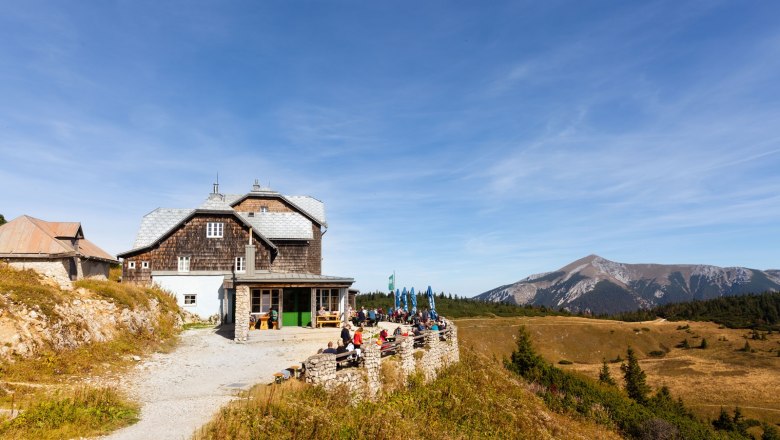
(182, 390)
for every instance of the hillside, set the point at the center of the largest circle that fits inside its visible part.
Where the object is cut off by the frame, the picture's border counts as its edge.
(473, 399)
(720, 375)
(599, 286)
(54, 343)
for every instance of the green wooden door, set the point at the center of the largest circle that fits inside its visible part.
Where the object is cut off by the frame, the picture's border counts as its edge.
(296, 307)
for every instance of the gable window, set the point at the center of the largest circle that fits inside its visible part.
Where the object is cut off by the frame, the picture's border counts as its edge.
(190, 299)
(214, 230)
(131, 264)
(144, 265)
(263, 209)
(239, 264)
(184, 264)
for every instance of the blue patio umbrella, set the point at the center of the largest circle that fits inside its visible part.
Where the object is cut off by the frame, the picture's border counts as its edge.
(404, 299)
(414, 301)
(431, 302)
(397, 298)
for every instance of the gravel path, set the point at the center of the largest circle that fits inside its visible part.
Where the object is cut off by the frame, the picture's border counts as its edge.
(182, 390)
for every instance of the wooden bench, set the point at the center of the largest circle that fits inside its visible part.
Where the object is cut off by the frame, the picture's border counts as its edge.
(331, 318)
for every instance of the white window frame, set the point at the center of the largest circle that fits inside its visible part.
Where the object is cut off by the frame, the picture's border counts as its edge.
(263, 208)
(144, 265)
(215, 230)
(184, 264)
(240, 264)
(131, 264)
(194, 299)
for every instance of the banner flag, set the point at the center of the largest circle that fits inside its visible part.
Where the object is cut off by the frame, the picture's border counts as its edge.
(391, 282)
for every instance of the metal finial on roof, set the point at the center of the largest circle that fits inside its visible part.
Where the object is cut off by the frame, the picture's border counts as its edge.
(256, 186)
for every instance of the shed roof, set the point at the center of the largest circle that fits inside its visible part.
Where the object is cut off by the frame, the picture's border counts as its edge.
(31, 237)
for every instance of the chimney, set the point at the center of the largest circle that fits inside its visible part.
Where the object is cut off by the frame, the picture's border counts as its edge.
(250, 259)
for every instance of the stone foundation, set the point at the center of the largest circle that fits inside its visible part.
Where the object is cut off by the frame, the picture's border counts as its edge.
(366, 382)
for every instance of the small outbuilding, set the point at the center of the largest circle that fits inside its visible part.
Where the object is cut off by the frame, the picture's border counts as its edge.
(57, 250)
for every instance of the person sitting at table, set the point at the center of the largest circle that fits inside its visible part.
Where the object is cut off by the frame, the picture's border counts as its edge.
(383, 336)
(371, 317)
(361, 316)
(322, 311)
(273, 318)
(398, 331)
(330, 348)
(341, 348)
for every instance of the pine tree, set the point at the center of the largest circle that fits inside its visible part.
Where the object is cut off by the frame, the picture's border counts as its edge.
(684, 344)
(703, 343)
(525, 361)
(724, 421)
(2, 220)
(635, 378)
(605, 376)
(747, 347)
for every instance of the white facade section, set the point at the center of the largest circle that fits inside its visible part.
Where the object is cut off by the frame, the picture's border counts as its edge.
(212, 299)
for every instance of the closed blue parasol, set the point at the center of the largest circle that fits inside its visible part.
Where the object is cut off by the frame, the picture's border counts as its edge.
(397, 298)
(414, 301)
(431, 302)
(404, 299)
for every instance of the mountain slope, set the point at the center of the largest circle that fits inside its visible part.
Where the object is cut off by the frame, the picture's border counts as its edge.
(598, 285)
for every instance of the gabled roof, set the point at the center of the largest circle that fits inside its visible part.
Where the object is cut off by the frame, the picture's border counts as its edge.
(280, 225)
(157, 223)
(312, 206)
(308, 206)
(162, 222)
(30, 237)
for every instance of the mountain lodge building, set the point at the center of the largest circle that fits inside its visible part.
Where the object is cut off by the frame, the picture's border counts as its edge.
(237, 256)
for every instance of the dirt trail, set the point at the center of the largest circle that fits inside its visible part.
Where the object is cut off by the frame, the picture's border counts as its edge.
(180, 391)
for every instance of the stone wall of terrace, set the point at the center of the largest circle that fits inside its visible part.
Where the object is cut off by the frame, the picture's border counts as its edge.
(365, 382)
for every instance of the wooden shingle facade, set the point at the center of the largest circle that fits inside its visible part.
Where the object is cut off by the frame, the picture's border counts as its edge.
(237, 256)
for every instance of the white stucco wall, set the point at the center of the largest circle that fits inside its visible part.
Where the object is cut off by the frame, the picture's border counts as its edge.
(208, 289)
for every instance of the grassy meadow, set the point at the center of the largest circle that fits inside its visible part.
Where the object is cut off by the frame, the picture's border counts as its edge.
(720, 375)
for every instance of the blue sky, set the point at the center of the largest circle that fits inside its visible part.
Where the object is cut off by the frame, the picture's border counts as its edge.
(464, 145)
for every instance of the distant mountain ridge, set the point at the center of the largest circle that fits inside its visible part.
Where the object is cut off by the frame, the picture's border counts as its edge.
(597, 285)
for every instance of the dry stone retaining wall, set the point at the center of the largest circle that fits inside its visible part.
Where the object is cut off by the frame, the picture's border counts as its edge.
(366, 382)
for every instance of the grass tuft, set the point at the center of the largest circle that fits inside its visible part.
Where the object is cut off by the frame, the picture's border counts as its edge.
(86, 412)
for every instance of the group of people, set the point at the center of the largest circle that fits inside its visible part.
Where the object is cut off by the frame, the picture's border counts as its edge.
(368, 318)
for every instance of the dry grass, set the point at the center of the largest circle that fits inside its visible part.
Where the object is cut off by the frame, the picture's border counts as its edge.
(474, 399)
(706, 379)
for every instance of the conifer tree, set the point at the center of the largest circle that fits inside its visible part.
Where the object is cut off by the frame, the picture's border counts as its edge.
(724, 421)
(635, 378)
(770, 432)
(747, 347)
(2, 220)
(703, 343)
(604, 375)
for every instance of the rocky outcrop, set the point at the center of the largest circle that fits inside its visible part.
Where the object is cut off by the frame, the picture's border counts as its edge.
(81, 319)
